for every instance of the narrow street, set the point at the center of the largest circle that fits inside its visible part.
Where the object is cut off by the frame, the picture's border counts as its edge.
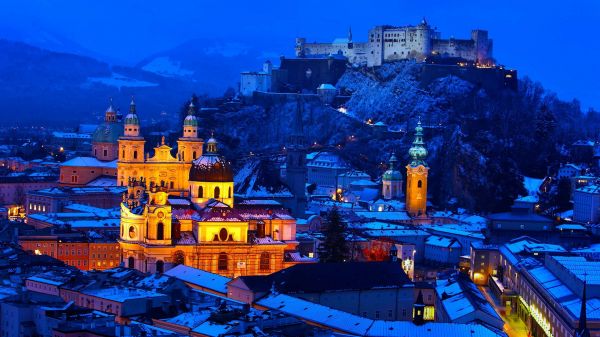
(513, 326)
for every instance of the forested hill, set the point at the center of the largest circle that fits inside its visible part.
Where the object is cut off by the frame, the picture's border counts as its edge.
(481, 143)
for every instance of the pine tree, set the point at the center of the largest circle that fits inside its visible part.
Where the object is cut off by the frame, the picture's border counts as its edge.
(334, 248)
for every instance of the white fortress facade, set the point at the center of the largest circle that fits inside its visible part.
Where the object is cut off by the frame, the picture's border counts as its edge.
(390, 43)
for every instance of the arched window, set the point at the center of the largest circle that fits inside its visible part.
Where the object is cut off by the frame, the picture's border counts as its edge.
(182, 155)
(135, 154)
(223, 234)
(265, 261)
(160, 266)
(123, 154)
(200, 192)
(194, 155)
(160, 231)
(217, 194)
(172, 185)
(229, 192)
(223, 261)
(419, 184)
(131, 262)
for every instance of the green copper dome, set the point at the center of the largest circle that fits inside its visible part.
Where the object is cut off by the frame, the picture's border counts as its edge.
(132, 117)
(190, 119)
(417, 151)
(108, 132)
(392, 174)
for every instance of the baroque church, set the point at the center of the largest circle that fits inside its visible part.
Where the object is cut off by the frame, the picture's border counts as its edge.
(417, 171)
(181, 210)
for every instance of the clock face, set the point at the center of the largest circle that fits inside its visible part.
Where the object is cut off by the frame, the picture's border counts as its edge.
(161, 198)
(160, 215)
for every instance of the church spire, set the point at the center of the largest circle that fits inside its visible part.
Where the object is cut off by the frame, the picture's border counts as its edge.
(132, 106)
(350, 34)
(417, 151)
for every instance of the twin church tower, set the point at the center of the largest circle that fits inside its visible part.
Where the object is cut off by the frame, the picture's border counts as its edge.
(416, 177)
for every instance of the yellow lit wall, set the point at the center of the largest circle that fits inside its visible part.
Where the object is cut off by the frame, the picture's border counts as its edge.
(208, 192)
(416, 190)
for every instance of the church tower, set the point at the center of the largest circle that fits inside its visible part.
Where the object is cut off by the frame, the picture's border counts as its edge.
(189, 146)
(131, 144)
(296, 162)
(416, 176)
(104, 139)
(392, 181)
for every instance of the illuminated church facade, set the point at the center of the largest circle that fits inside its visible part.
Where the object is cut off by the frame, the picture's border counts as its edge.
(171, 172)
(206, 229)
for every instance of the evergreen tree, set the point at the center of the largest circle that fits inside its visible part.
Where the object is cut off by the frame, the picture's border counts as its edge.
(334, 248)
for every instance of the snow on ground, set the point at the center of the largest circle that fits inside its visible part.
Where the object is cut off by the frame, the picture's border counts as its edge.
(119, 81)
(166, 67)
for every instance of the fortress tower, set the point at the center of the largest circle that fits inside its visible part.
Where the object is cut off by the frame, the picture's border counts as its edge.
(416, 176)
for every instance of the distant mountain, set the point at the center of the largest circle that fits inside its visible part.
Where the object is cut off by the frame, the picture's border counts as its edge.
(53, 87)
(217, 63)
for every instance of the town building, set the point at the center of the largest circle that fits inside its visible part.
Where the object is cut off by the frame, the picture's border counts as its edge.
(376, 290)
(586, 204)
(459, 301)
(389, 43)
(54, 199)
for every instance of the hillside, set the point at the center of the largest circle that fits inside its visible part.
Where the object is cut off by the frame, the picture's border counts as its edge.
(38, 85)
(474, 137)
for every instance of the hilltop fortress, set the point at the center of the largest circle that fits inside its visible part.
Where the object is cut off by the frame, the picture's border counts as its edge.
(390, 43)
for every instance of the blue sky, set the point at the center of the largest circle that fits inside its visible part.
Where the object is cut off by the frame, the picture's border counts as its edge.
(554, 42)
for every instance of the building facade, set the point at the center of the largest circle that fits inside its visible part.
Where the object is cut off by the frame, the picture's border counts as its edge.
(390, 43)
(162, 169)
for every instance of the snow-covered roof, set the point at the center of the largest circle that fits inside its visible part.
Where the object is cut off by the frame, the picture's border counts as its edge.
(317, 313)
(90, 162)
(440, 241)
(189, 319)
(213, 329)
(326, 86)
(200, 278)
(119, 294)
(361, 326)
(389, 216)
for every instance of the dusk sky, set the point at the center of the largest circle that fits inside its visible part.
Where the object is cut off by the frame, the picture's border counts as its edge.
(554, 42)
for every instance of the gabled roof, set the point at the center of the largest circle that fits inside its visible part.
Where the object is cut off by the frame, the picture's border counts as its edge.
(321, 277)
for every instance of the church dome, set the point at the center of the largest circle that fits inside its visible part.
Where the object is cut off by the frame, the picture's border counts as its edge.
(132, 117)
(392, 174)
(190, 119)
(210, 167)
(107, 132)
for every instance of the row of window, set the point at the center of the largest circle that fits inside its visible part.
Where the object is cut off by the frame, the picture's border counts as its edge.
(216, 192)
(36, 207)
